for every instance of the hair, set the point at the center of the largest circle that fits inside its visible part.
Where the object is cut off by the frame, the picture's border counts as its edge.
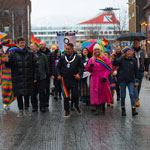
(20, 39)
(35, 44)
(70, 44)
(89, 54)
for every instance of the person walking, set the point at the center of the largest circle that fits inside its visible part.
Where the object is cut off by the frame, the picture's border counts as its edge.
(127, 77)
(23, 68)
(40, 85)
(100, 68)
(69, 71)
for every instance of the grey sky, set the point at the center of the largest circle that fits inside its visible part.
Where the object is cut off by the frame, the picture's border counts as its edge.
(70, 12)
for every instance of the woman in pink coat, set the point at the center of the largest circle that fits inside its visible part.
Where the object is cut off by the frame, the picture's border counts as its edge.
(99, 84)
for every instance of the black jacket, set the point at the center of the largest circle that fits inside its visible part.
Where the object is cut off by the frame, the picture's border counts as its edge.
(76, 66)
(24, 71)
(127, 69)
(51, 61)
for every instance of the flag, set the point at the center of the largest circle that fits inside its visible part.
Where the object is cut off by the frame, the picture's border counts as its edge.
(34, 40)
(2, 35)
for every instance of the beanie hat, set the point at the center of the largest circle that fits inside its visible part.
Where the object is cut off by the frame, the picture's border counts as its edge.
(126, 49)
(53, 47)
(96, 46)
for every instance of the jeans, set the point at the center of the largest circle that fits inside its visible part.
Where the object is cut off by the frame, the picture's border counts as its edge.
(131, 93)
(137, 89)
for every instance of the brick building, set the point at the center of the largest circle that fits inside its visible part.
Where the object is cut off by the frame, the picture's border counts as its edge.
(15, 18)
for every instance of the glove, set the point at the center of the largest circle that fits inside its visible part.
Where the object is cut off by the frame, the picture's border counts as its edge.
(114, 55)
(91, 65)
(103, 79)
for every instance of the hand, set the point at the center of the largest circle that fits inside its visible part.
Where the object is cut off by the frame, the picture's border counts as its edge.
(35, 81)
(91, 65)
(52, 77)
(145, 73)
(6, 59)
(59, 77)
(115, 73)
(77, 77)
(103, 79)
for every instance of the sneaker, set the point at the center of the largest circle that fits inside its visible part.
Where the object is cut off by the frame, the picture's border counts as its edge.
(123, 112)
(137, 102)
(56, 98)
(67, 115)
(27, 112)
(78, 110)
(20, 114)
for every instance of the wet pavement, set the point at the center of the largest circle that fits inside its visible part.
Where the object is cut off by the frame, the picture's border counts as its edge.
(50, 131)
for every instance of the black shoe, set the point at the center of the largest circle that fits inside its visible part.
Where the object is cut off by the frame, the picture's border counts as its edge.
(56, 98)
(134, 113)
(123, 112)
(118, 99)
(72, 109)
(67, 115)
(77, 109)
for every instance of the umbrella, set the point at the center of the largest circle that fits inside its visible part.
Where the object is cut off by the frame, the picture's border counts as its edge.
(131, 36)
(89, 44)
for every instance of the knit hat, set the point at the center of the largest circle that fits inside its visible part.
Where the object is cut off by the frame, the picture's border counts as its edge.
(96, 46)
(53, 47)
(126, 49)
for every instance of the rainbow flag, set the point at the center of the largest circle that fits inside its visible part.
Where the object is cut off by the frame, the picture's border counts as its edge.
(100, 60)
(64, 89)
(34, 40)
(6, 83)
(2, 35)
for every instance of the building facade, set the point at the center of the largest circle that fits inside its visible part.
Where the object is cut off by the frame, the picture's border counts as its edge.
(136, 14)
(15, 18)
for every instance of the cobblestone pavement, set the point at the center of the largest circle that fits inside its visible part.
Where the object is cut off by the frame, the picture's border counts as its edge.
(50, 131)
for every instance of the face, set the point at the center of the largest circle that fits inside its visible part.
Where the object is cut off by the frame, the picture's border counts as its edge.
(106, 54)
(85, 52)
(69, 50)
(118, 49)
(129, 53)
(33, 47)
(22, 44)
(58, 53)
(42, 45)
(97, 52)
(136, 44)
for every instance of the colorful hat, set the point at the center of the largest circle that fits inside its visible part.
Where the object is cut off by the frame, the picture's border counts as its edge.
(126, 49)
(53, 47)
(96, 46)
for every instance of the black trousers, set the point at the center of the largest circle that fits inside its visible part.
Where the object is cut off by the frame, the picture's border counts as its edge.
(20, 102)
(39, 88)
(118, 90)
(57, 84)
(47, 92)
(72, 88)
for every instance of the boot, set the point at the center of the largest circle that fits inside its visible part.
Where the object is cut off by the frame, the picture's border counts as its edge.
(134, 113)
(123, 112)
(137, 102)
(97, 112)
(103, 107)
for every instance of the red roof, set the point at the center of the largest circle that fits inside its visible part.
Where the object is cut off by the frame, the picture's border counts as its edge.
(107, 18)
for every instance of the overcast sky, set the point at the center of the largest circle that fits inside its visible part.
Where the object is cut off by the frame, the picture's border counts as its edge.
(70, 12)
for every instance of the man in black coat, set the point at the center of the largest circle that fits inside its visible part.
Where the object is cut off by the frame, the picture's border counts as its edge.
(23, 67)
(141, 60)
(51, 67)
(70, 69)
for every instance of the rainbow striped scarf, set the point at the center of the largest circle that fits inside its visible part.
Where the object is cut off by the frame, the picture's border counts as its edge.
(6, 83)
(100, 60)
(64, 89)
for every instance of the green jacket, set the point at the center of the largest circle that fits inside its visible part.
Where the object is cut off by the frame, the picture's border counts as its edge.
(43, 65)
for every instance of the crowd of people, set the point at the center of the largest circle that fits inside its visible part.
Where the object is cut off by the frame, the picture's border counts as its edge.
(91, 78)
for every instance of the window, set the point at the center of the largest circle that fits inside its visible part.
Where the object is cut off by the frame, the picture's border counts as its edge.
(6, 12)
(0, 12)
(20, 11)
(0, 27)
(20, 30)
(6, 28)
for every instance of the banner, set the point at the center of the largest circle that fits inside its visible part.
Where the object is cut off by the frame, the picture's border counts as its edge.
(60, 38)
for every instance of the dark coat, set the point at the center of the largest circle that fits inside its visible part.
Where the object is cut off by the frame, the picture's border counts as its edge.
(76, 67)
(23, 66)
(127, 69)
(51, 61)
